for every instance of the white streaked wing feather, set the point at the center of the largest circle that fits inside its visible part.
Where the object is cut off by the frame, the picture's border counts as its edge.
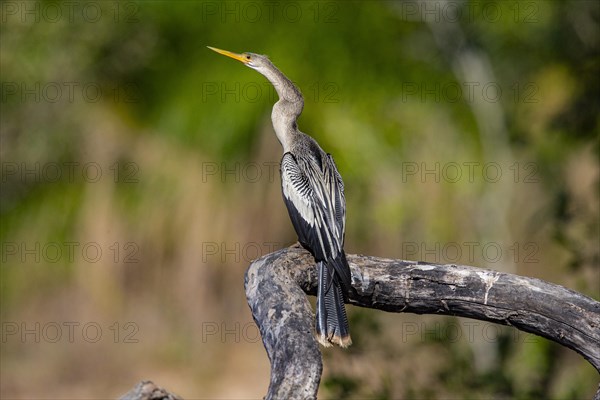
(318, 197)
(296, 188)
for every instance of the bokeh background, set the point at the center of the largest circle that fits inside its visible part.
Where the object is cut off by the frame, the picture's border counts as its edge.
(140, 178)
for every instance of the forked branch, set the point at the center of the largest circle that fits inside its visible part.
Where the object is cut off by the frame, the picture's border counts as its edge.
(276, 285)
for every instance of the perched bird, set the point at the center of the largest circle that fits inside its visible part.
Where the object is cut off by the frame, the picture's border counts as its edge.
(313, 192)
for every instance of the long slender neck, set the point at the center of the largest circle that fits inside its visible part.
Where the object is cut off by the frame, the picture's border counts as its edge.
(285, 88)
(287, 110)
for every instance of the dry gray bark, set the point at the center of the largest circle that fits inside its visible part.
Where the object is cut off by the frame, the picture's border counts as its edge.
(147, 390)
(276, 285)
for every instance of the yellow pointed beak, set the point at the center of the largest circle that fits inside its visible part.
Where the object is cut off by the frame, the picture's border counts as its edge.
(235, 56)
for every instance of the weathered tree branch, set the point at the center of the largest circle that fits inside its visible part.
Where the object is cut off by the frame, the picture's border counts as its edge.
(275, 284)
(147, 390)
(286, 323)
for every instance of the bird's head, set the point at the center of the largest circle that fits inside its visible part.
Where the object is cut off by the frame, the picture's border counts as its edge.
(285, 88)
(252, 60)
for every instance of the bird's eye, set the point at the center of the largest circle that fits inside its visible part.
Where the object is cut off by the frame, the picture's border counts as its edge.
(247, 57)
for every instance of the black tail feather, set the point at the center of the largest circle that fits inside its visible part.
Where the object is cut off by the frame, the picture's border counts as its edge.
(332, 322)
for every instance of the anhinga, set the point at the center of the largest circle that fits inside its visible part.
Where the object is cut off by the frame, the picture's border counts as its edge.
(313, 192)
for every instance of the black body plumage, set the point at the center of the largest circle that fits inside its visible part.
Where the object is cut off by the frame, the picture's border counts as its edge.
(313, 192)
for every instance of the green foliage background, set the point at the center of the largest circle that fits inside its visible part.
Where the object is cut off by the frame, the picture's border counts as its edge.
(405, 95)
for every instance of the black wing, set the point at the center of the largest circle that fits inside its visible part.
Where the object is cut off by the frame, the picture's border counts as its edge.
(314, 195)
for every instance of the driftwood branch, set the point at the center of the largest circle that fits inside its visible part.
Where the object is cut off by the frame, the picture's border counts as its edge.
(147, 390)
(276, 285)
